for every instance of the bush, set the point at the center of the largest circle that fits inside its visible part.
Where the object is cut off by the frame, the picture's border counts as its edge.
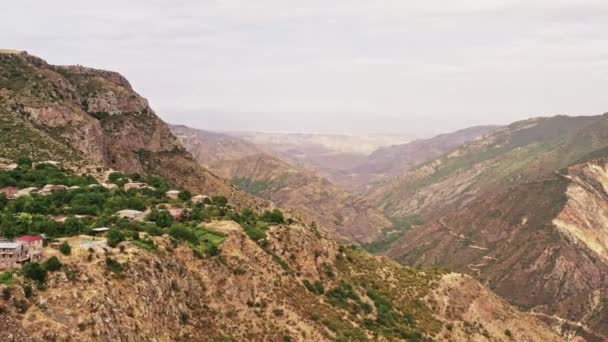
(113, 265)
(254, 232)
(28, 291)
(183, 233)
(53, 264)
(34, 271)
(6, 278)
(275, 216)
(220, 201)
(508, 333)
(115, 237)
(6, 293)
(161, 217)
(65, 248)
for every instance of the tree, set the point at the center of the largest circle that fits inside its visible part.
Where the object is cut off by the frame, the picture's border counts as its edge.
(220, 201)
(53, 264)
(34, 271)
(275, 216)
(185, 195)
(115, 237)
(161, 217)
(24, 162)
(65, 248)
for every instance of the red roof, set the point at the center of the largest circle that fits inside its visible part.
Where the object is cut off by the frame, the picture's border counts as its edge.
(29, 238)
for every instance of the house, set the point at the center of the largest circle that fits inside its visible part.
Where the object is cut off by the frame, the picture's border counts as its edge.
(199, 198)
(174, 194)
(12, 254)
(176, 213)
(137, 186)
(108, 186)
(100, 230)
(10, 192)
(8, 167)
(49, 188)
(26, 192)
(33, 244)
(131, 214)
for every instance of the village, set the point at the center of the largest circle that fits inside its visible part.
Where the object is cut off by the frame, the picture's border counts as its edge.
(22, 249)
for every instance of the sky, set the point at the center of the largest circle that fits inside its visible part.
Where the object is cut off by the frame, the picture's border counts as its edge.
(342, 66)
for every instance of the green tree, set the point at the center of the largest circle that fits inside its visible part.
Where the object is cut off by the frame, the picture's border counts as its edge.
(220, 201)
(53, 264)
(275, 216)
(161, 217)
(185, 195)
(34, 271)
(65, 248)
(115, 237)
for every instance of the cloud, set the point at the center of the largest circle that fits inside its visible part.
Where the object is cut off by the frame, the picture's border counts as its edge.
(333, 65)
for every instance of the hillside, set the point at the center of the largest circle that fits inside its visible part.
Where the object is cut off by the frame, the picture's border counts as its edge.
(214, 272)
(521, 152)
(344, 215)
(386, 162)
(543, 245)
(172, 295)
(91, 118)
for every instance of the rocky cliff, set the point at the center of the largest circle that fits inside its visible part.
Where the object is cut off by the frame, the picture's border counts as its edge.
(541, 245)
(520, 152)
(90, 118)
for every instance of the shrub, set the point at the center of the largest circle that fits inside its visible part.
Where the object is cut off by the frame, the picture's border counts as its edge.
(508, 333)
(65, 248)
(6, 278)
(183, 233)
(115, 237)
(28, 291)
(220, 201)
(254, 232)
(53, 264)
(161, 217)
(34, 271)
(6, 293)
(275, 216)
(113, 265)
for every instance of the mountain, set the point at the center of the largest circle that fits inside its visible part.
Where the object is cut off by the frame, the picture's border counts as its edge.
(543, 245)
(520, 152)
(298, 287)
(331, 156)
(344, 215)
(386, 162)
(89, 118)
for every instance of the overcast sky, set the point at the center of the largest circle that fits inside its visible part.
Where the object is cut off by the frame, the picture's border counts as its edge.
(399, 66)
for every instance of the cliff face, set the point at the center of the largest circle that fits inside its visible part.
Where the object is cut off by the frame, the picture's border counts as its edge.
(87, 117)
(520, 152)
(246, 294)
(541, 245)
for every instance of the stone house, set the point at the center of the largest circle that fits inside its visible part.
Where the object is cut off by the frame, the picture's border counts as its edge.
(26, 191)
(34, 245)
(49, 188)
(199, 198)
(131, 214)
(12, 254)
(174, 194)
(10, 192)
(136, 185)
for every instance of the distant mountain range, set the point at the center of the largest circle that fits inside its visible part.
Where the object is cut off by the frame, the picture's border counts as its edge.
(346, 216)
